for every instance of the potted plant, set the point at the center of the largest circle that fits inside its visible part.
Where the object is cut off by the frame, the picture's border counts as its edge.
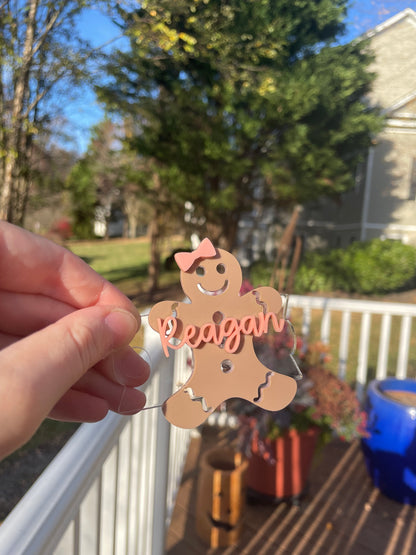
(390, 448)
(281, 445)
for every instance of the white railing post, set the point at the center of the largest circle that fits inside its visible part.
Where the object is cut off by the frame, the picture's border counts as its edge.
(162, 464)
(344, 341)
(363, 354)
(384, 344)
(403, 354)
(326, 325)
(306, 321)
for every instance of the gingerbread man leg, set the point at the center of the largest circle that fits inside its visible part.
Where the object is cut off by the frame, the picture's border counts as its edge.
(219, 376)
(266, 389)
(213, 381)
(185, 408)
(259, 385)
(276, 391)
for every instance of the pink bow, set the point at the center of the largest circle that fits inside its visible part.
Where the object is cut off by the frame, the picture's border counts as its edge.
(205, 250)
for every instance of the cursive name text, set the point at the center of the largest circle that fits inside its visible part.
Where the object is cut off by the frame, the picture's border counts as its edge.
(228, 333)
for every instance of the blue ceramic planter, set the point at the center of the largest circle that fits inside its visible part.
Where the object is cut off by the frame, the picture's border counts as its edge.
(390, 449)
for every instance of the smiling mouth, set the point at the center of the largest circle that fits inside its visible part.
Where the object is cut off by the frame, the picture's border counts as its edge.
(213, 293)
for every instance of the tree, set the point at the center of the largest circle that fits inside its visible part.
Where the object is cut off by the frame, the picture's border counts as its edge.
(107, 180)
(39, 54)
(94, 182)
(50, 167)
(81, 186)
(236, 97)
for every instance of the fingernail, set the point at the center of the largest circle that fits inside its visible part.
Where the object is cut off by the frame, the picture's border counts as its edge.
(129, 368)
(123, 326)
(145, 355)
(131, 401)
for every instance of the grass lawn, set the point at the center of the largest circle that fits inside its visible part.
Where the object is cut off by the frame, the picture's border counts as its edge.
(125, 262)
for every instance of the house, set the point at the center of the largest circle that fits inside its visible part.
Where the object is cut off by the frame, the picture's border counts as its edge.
(383, 202)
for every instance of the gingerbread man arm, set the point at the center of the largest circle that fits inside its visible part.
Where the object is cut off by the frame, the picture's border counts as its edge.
(162, 310)
(177, 311)
(267, 299)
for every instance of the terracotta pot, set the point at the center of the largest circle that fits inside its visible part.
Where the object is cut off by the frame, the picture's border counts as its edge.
(221, 496)
(285, 477)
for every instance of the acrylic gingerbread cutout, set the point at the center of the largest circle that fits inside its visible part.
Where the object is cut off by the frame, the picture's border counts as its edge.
(219, 325)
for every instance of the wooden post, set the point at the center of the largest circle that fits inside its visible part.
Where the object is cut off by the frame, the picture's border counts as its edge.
(221, 497)
(294, 265)
(283, 252)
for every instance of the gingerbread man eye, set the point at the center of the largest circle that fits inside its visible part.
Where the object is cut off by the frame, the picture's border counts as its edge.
(200, 271)
(221, 268)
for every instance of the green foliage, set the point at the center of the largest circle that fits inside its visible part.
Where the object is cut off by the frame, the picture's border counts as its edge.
(311, 279)
(312, 275)
(83, 199)
(43, 60)
(260, 273)
(233, 96)
(368, 267)
(378, 266)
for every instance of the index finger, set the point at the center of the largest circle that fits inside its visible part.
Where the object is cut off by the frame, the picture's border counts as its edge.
(32, 264)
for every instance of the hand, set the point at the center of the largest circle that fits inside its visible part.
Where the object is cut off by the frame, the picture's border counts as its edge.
(64, 335)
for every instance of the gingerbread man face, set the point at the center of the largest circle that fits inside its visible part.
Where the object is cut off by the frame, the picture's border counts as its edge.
(218, 325)
(213, 277)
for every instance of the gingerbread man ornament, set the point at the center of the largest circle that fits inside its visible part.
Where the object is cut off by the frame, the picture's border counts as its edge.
(219, 325)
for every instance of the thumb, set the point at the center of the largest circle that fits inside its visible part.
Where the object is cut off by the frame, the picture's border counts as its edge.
(37, 370)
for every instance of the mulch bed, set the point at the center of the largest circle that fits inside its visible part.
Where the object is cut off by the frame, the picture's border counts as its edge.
(21, 469)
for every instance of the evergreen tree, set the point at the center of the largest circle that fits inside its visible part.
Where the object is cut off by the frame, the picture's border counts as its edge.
(231, 97)
(81, 187)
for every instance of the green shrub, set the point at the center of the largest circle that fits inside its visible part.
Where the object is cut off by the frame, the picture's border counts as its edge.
(379, 266)
(313, 280)
(364, 267)
(260, 273)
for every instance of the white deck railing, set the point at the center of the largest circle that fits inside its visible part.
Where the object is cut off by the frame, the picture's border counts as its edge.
(381, 347)
(112, 487)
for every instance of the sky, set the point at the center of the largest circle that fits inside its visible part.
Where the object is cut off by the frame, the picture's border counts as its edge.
(85, 111)
(364, 15)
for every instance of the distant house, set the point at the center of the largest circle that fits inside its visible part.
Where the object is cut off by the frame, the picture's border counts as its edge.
(383, 202)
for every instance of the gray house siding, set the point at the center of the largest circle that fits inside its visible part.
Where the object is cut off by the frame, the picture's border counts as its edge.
(383, 202)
